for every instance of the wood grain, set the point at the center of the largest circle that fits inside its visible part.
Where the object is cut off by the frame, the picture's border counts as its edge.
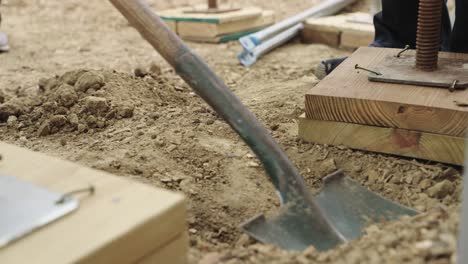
(338, 30)
(179, 14)
(122, 222)
(211, 30)
(347, 95)
(169, 253)
(415, 144)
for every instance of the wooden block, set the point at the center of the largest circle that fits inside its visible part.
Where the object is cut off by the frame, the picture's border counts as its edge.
(219, 18)
(220, 39)
(213, 30)
(172, 25)
(348, 96)
(408, 143)
(339, 30)
(169, 253)
(122, 222)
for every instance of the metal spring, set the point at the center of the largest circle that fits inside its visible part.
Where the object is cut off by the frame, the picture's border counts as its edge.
(428, 34)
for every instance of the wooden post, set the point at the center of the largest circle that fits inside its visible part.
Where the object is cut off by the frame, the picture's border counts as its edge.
(212, 4)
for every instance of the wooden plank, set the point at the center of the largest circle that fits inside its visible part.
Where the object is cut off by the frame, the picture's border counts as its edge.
(408, 143)
(122, 222)
(179, 15)
(221, 39)
(170, 253)
(210, 30)
(348, 96)
(172, 25)
(339, 30)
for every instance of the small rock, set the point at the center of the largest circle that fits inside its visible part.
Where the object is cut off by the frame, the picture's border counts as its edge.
(9, 109)
(72, 77)
(274, 127)
(243, 241)
(192, 231)
(73, 119)
(44, 129)
(441, 189)
(11, 120)
(58, 121)
(211, 258)
(89, 80)
(166, 180)
(125, 111)
(96, 105)
(63, 142)
(82, 128)
(154, 69)
(373, 177)
(253, 164)
(65, 95)
(171, 148)
(328, 166)
(425, 183)
(140, 72)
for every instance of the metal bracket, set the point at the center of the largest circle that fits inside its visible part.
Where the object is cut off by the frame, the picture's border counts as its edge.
(451, 73)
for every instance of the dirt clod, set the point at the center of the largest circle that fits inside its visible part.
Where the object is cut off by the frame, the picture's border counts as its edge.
(441, 189)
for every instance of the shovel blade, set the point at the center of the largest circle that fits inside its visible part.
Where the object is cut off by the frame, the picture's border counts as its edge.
(348, 206)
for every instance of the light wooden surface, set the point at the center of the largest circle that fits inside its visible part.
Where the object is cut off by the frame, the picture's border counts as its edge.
(415, 144)
(179, 14)
(347, 96)
(211, 30)
(121, 223)
(169, 253)
(172, 25)
(220, 39)
(339, 30)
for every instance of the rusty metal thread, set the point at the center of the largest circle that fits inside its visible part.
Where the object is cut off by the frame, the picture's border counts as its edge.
(428, 34)
(213, 4)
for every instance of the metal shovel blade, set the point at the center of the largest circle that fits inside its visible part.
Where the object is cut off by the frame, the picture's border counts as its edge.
(346, 204)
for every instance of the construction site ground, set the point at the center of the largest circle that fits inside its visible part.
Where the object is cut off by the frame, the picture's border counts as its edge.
(152, 128)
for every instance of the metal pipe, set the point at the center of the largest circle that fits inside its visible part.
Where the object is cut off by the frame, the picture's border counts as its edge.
(247, 58)
(375, 7)
(329, 7)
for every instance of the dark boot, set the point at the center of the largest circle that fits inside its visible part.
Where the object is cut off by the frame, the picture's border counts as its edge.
(459, 38)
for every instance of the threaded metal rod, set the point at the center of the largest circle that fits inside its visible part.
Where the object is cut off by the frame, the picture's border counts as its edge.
(213, 4)
(428, 34)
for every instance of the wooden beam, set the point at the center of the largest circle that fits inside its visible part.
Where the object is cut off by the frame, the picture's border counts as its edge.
(122, 222)
(211, 30)
(179, 14)
(340, 30)
(212, 4)
(348, 96)
(414, 144)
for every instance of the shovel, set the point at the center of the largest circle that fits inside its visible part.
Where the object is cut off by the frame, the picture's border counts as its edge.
(338, 214)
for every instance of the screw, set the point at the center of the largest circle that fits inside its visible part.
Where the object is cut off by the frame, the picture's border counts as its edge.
(357, 67)
(407, 47)
(64, 197)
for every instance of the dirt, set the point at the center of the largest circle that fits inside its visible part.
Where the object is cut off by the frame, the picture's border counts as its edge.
(79, 83)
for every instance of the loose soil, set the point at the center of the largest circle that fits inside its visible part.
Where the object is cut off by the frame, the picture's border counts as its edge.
(81, 84)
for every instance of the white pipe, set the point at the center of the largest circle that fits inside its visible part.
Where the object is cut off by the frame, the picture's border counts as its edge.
(328, 7)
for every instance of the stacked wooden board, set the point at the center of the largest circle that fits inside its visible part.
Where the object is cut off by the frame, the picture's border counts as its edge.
(122, 222)
(217, 27)
(347, 30)
(346, 108)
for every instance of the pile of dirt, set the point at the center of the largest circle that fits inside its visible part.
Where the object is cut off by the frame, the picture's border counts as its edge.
(427, 238)
(85, 100)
